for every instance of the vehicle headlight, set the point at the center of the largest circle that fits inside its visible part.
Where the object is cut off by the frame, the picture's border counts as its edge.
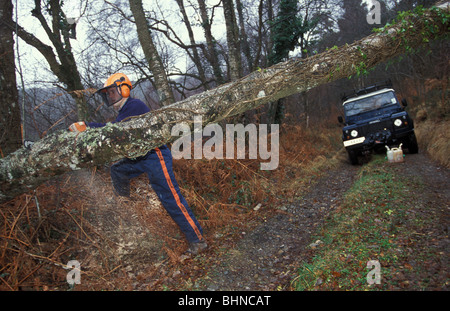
(354, 133)
(398, 122)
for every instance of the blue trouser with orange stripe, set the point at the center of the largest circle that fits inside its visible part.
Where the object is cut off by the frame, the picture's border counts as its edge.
(158, 165)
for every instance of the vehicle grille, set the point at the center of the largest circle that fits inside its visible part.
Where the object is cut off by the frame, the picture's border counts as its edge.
(375, 127)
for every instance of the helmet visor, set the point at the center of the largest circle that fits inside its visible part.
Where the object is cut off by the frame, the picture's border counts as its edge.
(110, 95)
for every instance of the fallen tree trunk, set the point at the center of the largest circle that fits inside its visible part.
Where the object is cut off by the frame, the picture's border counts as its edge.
(63, 151)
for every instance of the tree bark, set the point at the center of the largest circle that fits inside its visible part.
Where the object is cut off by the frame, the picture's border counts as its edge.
(211, 43)
(10, 136)
(234, 47)
(243, 36)
(151, 54)
(260, 29)
(65, 151)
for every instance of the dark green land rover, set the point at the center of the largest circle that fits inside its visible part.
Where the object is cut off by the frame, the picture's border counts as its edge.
(374, 118)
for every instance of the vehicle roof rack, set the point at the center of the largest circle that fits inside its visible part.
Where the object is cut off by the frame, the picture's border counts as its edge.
(367, 90)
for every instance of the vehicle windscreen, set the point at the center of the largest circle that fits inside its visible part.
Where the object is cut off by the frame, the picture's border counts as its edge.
(369, 103)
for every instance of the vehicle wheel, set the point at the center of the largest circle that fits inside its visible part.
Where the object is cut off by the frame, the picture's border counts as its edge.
(411, 144)
(353, 157)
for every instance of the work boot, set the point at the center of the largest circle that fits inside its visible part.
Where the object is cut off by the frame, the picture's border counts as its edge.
(197, 247)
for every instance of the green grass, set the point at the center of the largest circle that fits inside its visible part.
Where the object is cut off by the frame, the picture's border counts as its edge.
(364, 228)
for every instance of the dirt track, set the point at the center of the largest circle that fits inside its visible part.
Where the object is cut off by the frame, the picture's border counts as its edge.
(267, 257)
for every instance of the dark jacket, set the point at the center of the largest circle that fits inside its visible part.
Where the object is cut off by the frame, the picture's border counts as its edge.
(132, 107)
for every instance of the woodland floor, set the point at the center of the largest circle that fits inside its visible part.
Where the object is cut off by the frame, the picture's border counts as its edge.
(138, 248)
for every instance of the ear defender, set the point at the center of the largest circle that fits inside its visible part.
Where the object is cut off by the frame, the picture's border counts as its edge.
(124, 87)
(125, 90)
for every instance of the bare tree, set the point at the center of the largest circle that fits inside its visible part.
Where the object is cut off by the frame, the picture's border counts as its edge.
(62, 64)
(234, 47)
(263, 32)
(245, 46)
(151, 53)
(195, 55)
(212, 53)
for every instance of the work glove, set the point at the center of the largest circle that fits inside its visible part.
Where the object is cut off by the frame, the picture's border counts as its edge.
(78, 127)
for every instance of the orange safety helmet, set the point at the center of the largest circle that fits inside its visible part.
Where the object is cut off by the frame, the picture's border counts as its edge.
(116, 87)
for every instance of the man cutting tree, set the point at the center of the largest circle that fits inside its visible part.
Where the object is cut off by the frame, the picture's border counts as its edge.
(157, 163)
